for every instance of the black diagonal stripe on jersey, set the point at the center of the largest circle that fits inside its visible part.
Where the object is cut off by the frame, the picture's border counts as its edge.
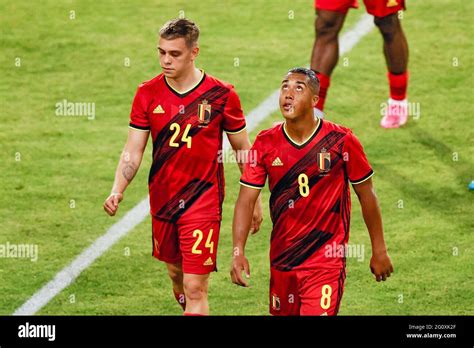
(336, 208)
(162, 153)
(340, 288)
(314, 179)
(301, 250)
(287, 190)
(175, 208)
(346, 215)
(220, 183)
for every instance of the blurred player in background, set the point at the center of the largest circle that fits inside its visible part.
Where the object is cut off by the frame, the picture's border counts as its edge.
(330, 16)
(309, 163)
(186, 112)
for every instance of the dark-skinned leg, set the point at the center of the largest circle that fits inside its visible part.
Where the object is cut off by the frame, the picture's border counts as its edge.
(395, 49)
(325, 52)
(395, 45)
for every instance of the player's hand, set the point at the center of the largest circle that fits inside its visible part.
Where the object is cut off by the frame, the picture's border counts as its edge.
(239, 264)
(381, 265)
(257, 217)
(112, 202)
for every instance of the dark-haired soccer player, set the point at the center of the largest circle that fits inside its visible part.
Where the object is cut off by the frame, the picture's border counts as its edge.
(186, 112)
(329, 21)
(309, 163)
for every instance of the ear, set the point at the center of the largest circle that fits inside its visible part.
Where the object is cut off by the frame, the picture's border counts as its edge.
(195, 52)
(315, 99)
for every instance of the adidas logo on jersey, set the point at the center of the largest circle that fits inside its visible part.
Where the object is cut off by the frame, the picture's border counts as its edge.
(208, 262)
(159, 110)
(277, 162)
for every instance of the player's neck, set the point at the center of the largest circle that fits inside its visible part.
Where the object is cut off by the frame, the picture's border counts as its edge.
(187, 80)
(301, 128)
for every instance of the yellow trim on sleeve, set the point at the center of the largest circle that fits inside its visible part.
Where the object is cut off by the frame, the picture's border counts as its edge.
(360, 182)
(138, 129)
(237, 132)
(247, 185)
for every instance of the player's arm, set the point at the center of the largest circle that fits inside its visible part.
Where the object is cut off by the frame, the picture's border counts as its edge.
(240, 142)
(128, 165)
(380, 263)
(244, 208)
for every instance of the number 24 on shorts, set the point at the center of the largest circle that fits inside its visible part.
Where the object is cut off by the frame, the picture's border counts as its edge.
(198, 234)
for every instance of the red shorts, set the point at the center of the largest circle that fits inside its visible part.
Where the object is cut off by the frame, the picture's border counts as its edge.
(194, 244)
(377, 8)
(306, 292)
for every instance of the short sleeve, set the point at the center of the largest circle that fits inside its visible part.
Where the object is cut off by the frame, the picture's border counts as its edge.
(234, 120)
(255, 172)
(139, 115)
(357, 166)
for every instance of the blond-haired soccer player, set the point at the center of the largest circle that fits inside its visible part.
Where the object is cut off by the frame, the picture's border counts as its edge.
(185, 111)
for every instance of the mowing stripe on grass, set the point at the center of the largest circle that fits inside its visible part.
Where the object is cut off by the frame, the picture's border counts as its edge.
(136, 215)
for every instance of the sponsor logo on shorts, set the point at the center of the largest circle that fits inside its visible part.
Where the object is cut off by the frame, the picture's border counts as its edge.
(392, 3)
(208, 262)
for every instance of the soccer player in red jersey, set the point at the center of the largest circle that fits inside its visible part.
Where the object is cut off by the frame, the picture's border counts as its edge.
(329, 21)
(309, 163)
(186, 111)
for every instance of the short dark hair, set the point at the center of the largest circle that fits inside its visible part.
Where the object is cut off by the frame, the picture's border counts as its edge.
(310, 74)
(180, 27)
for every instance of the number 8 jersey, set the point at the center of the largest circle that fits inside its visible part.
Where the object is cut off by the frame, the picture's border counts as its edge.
(310, 196)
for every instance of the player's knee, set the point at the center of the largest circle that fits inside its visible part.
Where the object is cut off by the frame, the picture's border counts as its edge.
(388, 26)
(195, 290)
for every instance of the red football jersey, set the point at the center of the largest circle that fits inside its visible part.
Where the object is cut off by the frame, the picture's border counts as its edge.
(186, 180)
(310, 196)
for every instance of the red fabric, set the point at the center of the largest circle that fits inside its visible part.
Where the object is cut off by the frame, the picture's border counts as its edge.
(180, 298)
(383, 8)
(398, 85)
(324, 82)
(304, 179)
(186, 180)
(306, 292)
(193, 315)
(194, 244)
(341, 6)
(377, 8)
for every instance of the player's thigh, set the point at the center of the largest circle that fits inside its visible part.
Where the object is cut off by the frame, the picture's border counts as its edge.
(165, 241)
(198, 244)
(329, 23)
(321, 291)
(382, 8)
(284, 298)
(338, 6)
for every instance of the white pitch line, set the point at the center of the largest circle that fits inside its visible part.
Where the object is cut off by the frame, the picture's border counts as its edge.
(132, 218)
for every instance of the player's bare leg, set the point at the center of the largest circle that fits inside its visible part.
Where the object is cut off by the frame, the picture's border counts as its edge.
(175, 273)
(325, 52)
(395, 48)
(195, 289)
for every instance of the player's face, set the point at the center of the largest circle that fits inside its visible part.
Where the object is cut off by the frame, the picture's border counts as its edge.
(176, 58)
(296, 97)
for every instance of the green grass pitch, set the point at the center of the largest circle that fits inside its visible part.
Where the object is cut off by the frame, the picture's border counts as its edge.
(56, 171)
